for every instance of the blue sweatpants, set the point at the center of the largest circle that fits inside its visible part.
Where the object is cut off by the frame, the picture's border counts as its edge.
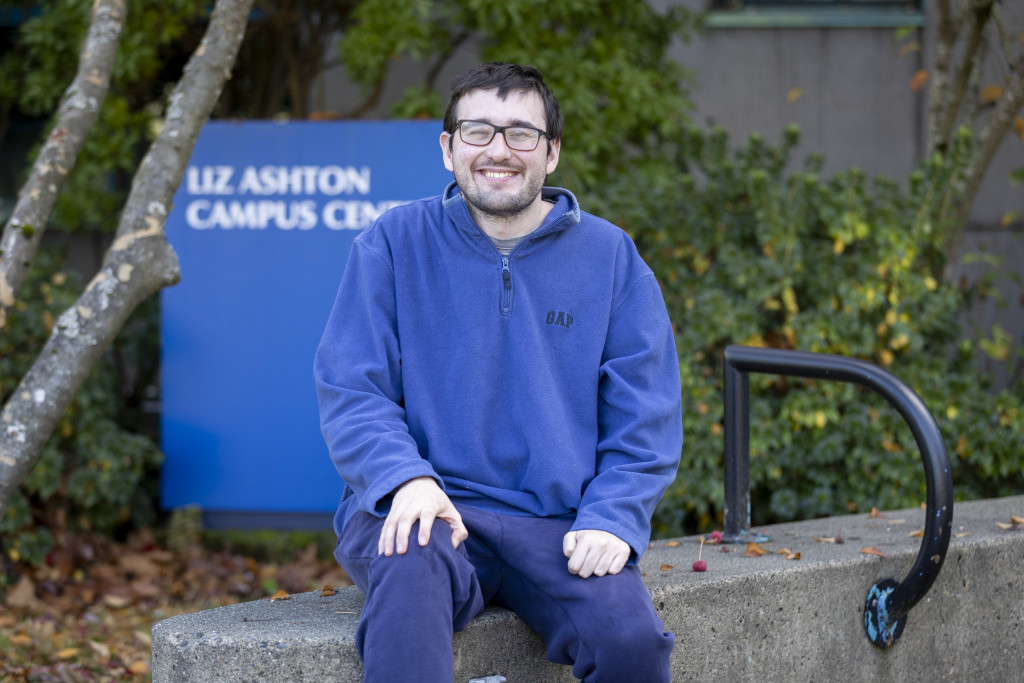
(605, 627)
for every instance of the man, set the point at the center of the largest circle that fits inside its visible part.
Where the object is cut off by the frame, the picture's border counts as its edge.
(499, 390)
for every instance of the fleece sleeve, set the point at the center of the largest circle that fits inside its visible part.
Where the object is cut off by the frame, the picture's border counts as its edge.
(639, 419)
(358, 375)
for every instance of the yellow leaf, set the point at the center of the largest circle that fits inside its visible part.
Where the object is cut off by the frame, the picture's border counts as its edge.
(67, 653)
(838, 247)
(667, 567)
(794, 94)
(1018, 125)
(755, 550)
(931, 283)
(952, 412)
(281, 594)
(820, 419)
(139, 667)
(885, 356)
(672, 544)
(327, 590)
(918, 80)
(991, 93)
(1008, 218)
(963, 534)
(872, 550)
(22, 639)
(789, 300)
(916, 534)
(1016, 520)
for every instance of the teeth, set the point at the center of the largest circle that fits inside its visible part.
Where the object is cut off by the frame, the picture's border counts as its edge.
(497, 174)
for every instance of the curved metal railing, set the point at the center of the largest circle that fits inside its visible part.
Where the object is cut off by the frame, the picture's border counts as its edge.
(888, 601)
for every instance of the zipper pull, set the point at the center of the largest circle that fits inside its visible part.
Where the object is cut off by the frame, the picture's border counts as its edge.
(506, 276)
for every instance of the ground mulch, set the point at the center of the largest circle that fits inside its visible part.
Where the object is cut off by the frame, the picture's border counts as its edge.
(87, 614)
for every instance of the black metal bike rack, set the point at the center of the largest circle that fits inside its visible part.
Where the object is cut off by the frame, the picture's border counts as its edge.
(888, 601)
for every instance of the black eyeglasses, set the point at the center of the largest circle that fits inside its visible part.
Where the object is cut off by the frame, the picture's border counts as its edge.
(480, 134)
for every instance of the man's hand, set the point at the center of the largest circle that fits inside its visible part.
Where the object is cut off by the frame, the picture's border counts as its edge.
(418, 499)
(594, 552)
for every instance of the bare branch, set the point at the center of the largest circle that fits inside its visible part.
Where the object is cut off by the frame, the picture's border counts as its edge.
(978, 18)
(79, 109)
(986, 145)
(945, 42)
(138, 263)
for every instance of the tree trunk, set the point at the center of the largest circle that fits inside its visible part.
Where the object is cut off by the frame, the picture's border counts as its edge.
(79, 109)
(139, 262)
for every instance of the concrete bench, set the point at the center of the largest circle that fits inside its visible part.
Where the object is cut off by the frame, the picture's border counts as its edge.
(745, 618)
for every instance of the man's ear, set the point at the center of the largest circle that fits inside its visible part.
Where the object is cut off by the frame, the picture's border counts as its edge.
(554, 148)
(447, 139)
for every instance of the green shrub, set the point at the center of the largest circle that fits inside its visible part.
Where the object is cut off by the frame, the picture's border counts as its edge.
(93, 473)
(750, 252)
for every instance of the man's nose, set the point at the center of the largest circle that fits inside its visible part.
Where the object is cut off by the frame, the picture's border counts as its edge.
(498, 148)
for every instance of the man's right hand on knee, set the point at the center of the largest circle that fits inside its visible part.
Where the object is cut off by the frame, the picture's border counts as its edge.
(421, 500)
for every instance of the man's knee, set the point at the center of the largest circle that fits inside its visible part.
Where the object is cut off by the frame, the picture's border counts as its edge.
(634, 654)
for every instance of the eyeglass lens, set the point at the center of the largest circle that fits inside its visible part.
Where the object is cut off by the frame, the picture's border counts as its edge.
(480, 134)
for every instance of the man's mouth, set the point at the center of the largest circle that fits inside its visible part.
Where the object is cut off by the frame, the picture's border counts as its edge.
(497, 175)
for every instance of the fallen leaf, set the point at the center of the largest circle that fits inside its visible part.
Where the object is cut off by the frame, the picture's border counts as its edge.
(139, 667)
(916, 534)
(963, 535)
(22, 639)
(794, 94)
(918, 80)
(875, 514)
(872, 550)
(281, 594)
(1016, 520)
(1008, 527)
(1018, 125)
(23, 594)
(67, 653)
(100, 649)
(825, 539)
(116, 601)
(789, 554)
(672, 544)
(327, 590)
(667, 567)
(755, 550)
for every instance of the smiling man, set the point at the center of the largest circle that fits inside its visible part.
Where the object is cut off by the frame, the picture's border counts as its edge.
(499, 391)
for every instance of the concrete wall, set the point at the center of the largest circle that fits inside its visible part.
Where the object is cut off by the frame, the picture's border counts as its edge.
(765, 618)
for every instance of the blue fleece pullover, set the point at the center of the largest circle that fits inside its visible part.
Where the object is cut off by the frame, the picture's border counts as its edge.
(545, 383)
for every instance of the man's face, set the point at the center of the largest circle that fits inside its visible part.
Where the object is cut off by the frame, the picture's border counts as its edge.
(499, 182)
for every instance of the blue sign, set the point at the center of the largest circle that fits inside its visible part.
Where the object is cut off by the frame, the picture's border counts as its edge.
(262, 224)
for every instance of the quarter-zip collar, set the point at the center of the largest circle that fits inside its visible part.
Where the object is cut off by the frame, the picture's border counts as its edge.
(565, 213)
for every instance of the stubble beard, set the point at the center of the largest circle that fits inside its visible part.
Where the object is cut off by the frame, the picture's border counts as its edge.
(498, 204)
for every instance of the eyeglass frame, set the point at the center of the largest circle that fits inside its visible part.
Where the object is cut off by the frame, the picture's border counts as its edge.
(500, 129)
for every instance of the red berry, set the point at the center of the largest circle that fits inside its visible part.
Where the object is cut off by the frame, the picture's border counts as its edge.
(716, 536)
(700, 566)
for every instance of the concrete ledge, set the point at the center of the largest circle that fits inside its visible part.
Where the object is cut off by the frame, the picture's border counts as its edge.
(763, 618)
